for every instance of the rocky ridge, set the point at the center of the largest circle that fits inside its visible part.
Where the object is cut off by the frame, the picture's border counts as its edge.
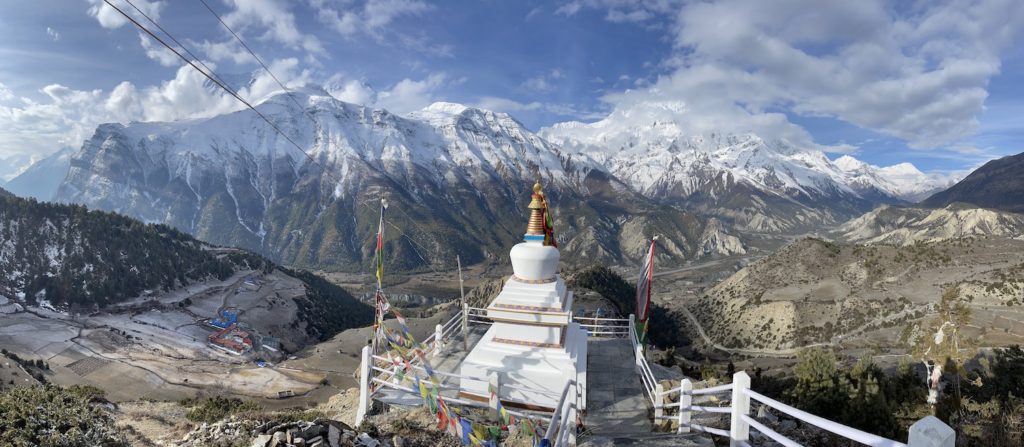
(905, 226)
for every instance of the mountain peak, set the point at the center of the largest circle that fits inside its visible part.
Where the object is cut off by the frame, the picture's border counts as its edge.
(906, 169)
(849, 164)
(447, 108)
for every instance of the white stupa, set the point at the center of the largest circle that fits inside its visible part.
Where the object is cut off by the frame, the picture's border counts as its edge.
(533, 342)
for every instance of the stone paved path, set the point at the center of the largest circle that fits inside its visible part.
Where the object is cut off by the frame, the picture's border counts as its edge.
(616, 403)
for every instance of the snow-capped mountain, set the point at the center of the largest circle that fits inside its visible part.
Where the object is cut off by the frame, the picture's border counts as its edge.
(901, 180)
(41, 179)
(458, 179)
(757, 184)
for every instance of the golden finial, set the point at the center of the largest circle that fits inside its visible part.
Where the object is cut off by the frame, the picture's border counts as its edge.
(536, 224)
(538, 198)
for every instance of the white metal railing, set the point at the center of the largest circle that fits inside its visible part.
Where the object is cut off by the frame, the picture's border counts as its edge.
(604, 327)
(562, 426)
(378, 372)
(927, 432)
(653, 389)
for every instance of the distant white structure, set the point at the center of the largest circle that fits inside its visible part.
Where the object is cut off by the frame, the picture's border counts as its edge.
(533, 346)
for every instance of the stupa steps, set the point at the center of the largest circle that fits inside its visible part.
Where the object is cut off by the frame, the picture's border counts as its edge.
(516, 284)
(531, 298)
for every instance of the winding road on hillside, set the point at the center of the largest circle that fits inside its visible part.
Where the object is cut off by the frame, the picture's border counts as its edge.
(781, 353)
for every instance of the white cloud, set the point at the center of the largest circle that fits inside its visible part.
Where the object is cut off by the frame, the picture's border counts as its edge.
(5, 93)
(158, 52)
(348, 17)
(274, 19)
(226, 50)
(109, 17)
(405, 96)
(375, 18)
(54, 34)
(70, 116)
(543, 82)
(622, 11)
(352, 91)
(506, 105)
(409, 95)
(510, 106)
(538, 83)
(918, 73)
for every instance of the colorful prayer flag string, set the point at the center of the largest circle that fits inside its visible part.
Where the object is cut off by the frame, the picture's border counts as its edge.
(406, 347)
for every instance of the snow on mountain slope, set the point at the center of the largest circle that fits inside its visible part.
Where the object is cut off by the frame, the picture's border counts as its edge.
(459, 175)
(901, 180)
(755, 184)
(41, 179)
(647, 148)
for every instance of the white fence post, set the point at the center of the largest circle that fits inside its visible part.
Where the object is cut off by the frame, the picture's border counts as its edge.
(739, 430)
(438, 341)
(659, 402)
(364, 385)
(931, 432)
(573, 414)
(638, 354)
(685, 400)
(465, 326)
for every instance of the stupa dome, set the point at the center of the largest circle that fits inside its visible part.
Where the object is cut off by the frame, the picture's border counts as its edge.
(534, 261)
(536, 258)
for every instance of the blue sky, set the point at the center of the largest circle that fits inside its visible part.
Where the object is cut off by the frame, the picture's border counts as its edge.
(937, 84)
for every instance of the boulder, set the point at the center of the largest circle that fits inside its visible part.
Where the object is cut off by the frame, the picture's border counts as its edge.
(279, 439)
(366, 440)
(260, 441)
(334, 435)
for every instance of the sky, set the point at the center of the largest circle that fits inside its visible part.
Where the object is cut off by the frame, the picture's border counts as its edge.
(937, 84)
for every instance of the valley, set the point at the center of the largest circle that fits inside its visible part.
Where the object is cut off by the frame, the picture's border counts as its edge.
(687, 223)
(157, 347)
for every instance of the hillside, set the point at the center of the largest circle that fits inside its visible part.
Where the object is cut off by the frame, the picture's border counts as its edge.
(457, 179)
(79, 259)
(69, 258)
(905, 226)
(817, 292)
(998, 184)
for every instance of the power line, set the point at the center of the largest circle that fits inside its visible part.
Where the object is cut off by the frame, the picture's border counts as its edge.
(215, 79)
(183, 47)
(208, 76)
(251, 52)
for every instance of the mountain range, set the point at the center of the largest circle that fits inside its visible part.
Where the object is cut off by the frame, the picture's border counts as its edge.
(998, 184)
(754, 183)
(458, 179)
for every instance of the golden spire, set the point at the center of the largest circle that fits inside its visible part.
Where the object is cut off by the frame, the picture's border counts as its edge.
(536, 225)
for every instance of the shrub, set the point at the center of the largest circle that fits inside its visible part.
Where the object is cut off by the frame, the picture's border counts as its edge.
(53, 416)
(213, 409)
